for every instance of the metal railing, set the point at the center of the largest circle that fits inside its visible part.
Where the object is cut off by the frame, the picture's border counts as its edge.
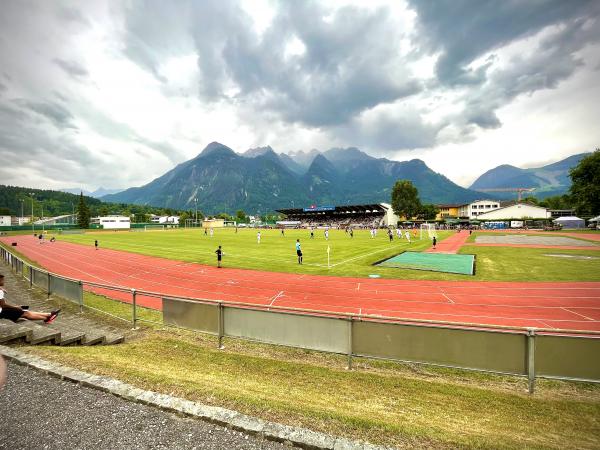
(526, 352)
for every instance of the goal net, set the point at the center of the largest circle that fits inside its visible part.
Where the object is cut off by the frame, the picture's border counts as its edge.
(154, 227)
(429, 230)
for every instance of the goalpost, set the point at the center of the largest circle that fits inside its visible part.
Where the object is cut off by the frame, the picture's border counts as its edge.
(429, 228)
(154, 228)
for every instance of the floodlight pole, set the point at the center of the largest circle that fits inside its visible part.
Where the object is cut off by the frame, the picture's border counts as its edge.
(32, 225)
(196, 203)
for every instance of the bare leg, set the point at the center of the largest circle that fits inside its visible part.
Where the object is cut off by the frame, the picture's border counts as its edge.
(32, 315)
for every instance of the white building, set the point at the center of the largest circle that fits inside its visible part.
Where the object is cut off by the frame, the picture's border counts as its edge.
(17, 221)
(520, 211)
(112, 222)
(5, 221)
(389, 217)
(165, 220)
(475, 209)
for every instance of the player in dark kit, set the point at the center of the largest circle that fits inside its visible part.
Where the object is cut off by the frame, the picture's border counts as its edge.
(219, 253)
(96, 244)
(434, 242)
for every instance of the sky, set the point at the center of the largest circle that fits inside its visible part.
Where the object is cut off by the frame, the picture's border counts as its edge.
(116, 93)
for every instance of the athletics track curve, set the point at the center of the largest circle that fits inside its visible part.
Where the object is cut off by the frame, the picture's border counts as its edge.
(558, 305)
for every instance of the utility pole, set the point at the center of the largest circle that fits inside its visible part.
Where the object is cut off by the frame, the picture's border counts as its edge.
(32, 225)
(42, 216)
(22, 206)
(196, 203)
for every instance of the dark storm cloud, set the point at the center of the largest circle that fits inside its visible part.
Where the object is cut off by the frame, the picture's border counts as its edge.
(72, 68)
(350, 63)
(554, 60)
(388, 132)
(466, 29)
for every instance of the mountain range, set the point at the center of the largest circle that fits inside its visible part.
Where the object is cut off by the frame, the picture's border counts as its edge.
(549, 180)
(100, 192)
(261, 180)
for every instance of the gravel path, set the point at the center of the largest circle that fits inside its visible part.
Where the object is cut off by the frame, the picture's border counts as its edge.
(530, 240)
(38, 411)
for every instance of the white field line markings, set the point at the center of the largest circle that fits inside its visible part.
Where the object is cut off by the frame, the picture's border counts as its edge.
(448, 298)
(275, 297)
(363, 256)
(358, 287)
(580, 315)
(546, 324)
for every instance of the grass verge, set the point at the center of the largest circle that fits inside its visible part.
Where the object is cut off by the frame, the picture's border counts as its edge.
(382, 402)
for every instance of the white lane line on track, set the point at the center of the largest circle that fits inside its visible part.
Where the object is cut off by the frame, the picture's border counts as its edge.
(275, 297)
(358, 287)
(448, 298)
(546, 324)
(580, 315)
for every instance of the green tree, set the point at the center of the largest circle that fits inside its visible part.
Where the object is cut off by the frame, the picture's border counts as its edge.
(183, 217)
(405, 199)
(240, 215)
(83, 213)
(429, 212)
(585, 187)
(557, 202)
(5, 211)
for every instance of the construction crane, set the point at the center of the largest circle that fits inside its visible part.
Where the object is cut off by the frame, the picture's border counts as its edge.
(518, 190)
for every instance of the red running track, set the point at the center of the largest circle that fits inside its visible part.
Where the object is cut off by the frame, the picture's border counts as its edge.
(558, 305)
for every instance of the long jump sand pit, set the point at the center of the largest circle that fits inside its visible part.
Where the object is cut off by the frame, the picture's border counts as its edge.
(523, 239)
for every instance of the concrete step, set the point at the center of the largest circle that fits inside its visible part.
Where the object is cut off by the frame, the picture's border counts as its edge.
(42, 334)
(11, 332)
(68, 335)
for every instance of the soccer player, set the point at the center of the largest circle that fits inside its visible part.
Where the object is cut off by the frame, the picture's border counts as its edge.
(434, 242)
(96, 244)
(326, 234)
(212, 231)
(219, 253)
(258, 237)
(407, 234)
(351, 233)
(298, 251)
(312, 233)
(390, 234)
(282, 232)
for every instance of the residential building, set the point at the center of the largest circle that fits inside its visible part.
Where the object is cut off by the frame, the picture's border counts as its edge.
(475, 209)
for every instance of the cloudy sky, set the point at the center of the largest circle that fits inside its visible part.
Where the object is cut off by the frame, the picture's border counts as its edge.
(115, 93)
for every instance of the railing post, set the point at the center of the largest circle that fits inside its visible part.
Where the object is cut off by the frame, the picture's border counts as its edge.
(134, 308)
(350, 328)
(531, 359)
(80, 296)
(221, 326)
(49, 290)
(30, 277)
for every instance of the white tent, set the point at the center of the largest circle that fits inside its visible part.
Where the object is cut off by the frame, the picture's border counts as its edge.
(595, 219)
(570, 222)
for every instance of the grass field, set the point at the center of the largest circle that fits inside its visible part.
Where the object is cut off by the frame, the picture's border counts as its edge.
(348, 257)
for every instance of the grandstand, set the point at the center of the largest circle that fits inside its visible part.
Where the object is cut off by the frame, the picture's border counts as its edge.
(355, 216)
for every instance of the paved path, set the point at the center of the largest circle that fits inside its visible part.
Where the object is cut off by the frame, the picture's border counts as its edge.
(451, 244)
(39, 411)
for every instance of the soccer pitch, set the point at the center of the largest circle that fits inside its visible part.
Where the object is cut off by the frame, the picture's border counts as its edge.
(348, 256)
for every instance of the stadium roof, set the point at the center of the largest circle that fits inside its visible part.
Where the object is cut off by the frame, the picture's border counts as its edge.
(342, 209)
